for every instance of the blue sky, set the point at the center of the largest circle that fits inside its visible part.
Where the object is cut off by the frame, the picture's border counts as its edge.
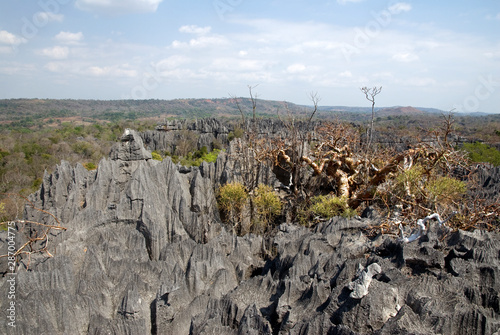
(441, 54)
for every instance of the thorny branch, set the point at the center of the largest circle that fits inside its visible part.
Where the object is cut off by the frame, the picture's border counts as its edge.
(33, 235)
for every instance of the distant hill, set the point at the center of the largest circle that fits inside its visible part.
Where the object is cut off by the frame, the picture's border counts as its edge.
(29, 111)
(32, 112)
(394, 111)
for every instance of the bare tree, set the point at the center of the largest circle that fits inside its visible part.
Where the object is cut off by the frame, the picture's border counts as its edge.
(315, 98)
(370, 94)
(253, 99)
(186, 142)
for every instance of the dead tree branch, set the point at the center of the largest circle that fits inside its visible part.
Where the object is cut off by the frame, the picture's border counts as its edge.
(32, 235)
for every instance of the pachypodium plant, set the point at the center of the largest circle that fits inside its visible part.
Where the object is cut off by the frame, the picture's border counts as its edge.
(231, 199)
(267, 205)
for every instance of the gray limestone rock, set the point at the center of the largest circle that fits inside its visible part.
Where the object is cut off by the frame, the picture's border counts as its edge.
(145, 253)
(130, 148)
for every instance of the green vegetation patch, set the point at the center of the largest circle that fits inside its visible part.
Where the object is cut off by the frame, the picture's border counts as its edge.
(328, 206)
(156, 156)
(445, 189)
(199, 156)
(482, 153)
(232, 197)
(267, 203)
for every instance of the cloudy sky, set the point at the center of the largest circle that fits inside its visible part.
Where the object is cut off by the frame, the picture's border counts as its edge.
(441, 54)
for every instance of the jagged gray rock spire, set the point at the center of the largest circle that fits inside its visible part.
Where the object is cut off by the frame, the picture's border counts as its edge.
(130, 148)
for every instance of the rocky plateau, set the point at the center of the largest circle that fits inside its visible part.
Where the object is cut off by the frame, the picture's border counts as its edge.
(145, 252)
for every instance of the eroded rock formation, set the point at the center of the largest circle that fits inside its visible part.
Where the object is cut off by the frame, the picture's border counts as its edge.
(145, 252)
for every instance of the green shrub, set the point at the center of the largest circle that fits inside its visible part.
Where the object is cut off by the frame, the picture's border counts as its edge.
(445, 189)
(200, 153)
(90, 166)
(217, 144)
(156, 156)
(327, 206)
(194, 159)
(482, 153)
(36, 183)
(232, 197)
(409, 180)
(211, 157)
(83, 148)
(236, 133)
(267, 203)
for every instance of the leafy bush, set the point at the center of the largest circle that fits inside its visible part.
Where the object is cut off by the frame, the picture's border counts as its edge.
(156, 156)
(200, 153)
(445, 189)
(217, 144)
(267, 203)
(409, 181)
(211, 157)
(482, 153)
(198, 157)
(83, 148)
(421, 187)
(327, 206)
(36, 183)
(232, 197)
(237, 133)
(231, 200)
(90, 166)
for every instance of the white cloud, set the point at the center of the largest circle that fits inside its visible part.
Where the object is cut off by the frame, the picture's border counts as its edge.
(111, 71)
(8, 38)
(85, 69)
(45, 17)
(296, 68)
(67, 37)
(405, 57)
(117, 7)
(193, 29)
(345, 74)
(56, 52)
(498, 16)
(171, 62)
(400, 7)
(234, 65)
(201, 42)
(18, 69)
(54, 66)
(494, 54)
